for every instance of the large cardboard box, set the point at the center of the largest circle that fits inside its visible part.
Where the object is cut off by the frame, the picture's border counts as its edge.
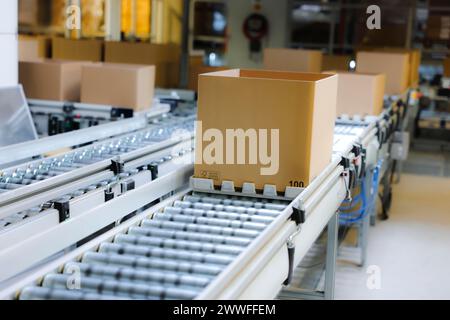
(34, 47)
(293, 60)
(415, 56)
(336, 62)
(446, 64)
(283, 121)
(51, 79)
(83, 49)
(395, 65)
(165, 57)
(121, 85)
(360, 93)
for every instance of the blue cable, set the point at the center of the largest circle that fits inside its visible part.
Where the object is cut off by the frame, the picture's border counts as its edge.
(348, 216)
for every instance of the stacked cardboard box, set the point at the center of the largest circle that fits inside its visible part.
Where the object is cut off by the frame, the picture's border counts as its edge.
(446, 67)
(264, 127)
(415, 56)
(82, 50)
(34, 47)
(51, 79)
(395, 65)
(438, 27)
(165, 57)
(294, 60)
(121, 85)
(360, 93)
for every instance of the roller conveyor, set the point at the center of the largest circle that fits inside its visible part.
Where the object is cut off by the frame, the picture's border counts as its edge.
(163, 259)
(31, 173)
(197, 244)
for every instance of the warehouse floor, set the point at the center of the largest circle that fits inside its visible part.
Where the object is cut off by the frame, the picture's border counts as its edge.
(411, 250)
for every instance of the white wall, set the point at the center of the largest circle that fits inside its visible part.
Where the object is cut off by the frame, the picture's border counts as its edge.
(238, 45)
(8, 43)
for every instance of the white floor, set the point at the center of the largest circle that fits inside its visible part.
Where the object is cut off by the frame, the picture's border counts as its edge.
(411, 250)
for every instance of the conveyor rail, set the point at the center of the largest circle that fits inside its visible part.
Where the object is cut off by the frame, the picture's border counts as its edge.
(174, 255)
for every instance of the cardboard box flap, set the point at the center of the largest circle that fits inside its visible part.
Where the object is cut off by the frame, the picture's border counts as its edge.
(269, 75)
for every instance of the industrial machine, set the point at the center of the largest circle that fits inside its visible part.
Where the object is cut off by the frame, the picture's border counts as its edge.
(120, 216)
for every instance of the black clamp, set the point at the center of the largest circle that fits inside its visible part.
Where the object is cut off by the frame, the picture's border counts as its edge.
(117, 166)
(360, 152)
(68, 107)
(363, 163)
(63, 209)
(127, 185)
(345, 162)
(109, 195)
(356, 150)
(298, 216)
(153, 168)
(121, 113)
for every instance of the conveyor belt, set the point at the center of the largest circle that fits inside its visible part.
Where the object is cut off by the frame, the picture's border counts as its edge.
(175, 255)
(18, 177)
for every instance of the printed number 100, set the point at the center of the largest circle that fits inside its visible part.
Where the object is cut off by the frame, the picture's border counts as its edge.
(297, 184)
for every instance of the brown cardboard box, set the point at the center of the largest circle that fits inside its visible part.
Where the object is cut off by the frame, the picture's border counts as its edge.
(446, 64)
(293, 60)
(336, 62)
(83, 49)
(165, 57)
(395, 65)
(51, 79)
(360, 93)
(301, 106)
(195, 70)
(438, 34)
(122, 85)
(415, 56)
(34, 47)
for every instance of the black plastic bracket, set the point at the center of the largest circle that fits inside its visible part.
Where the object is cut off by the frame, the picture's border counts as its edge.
(154, 170)
(63, 209)
(345, 162)
(117, 166)
(362, 172)
(109, 195)
(298, 216)
(121, 113)
(68, 107)
(127, 185)
(356, 150)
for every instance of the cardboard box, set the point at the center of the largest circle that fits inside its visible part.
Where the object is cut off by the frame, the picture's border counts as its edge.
(415, 56)
(299, 107)
(51, 79)
(196, 70)
(360, 93)
(336, 62)
(165, 57)
(293, 60)
(121, 85)
(395, 65)
(83, 49)
(446, 64)
(34, 47)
